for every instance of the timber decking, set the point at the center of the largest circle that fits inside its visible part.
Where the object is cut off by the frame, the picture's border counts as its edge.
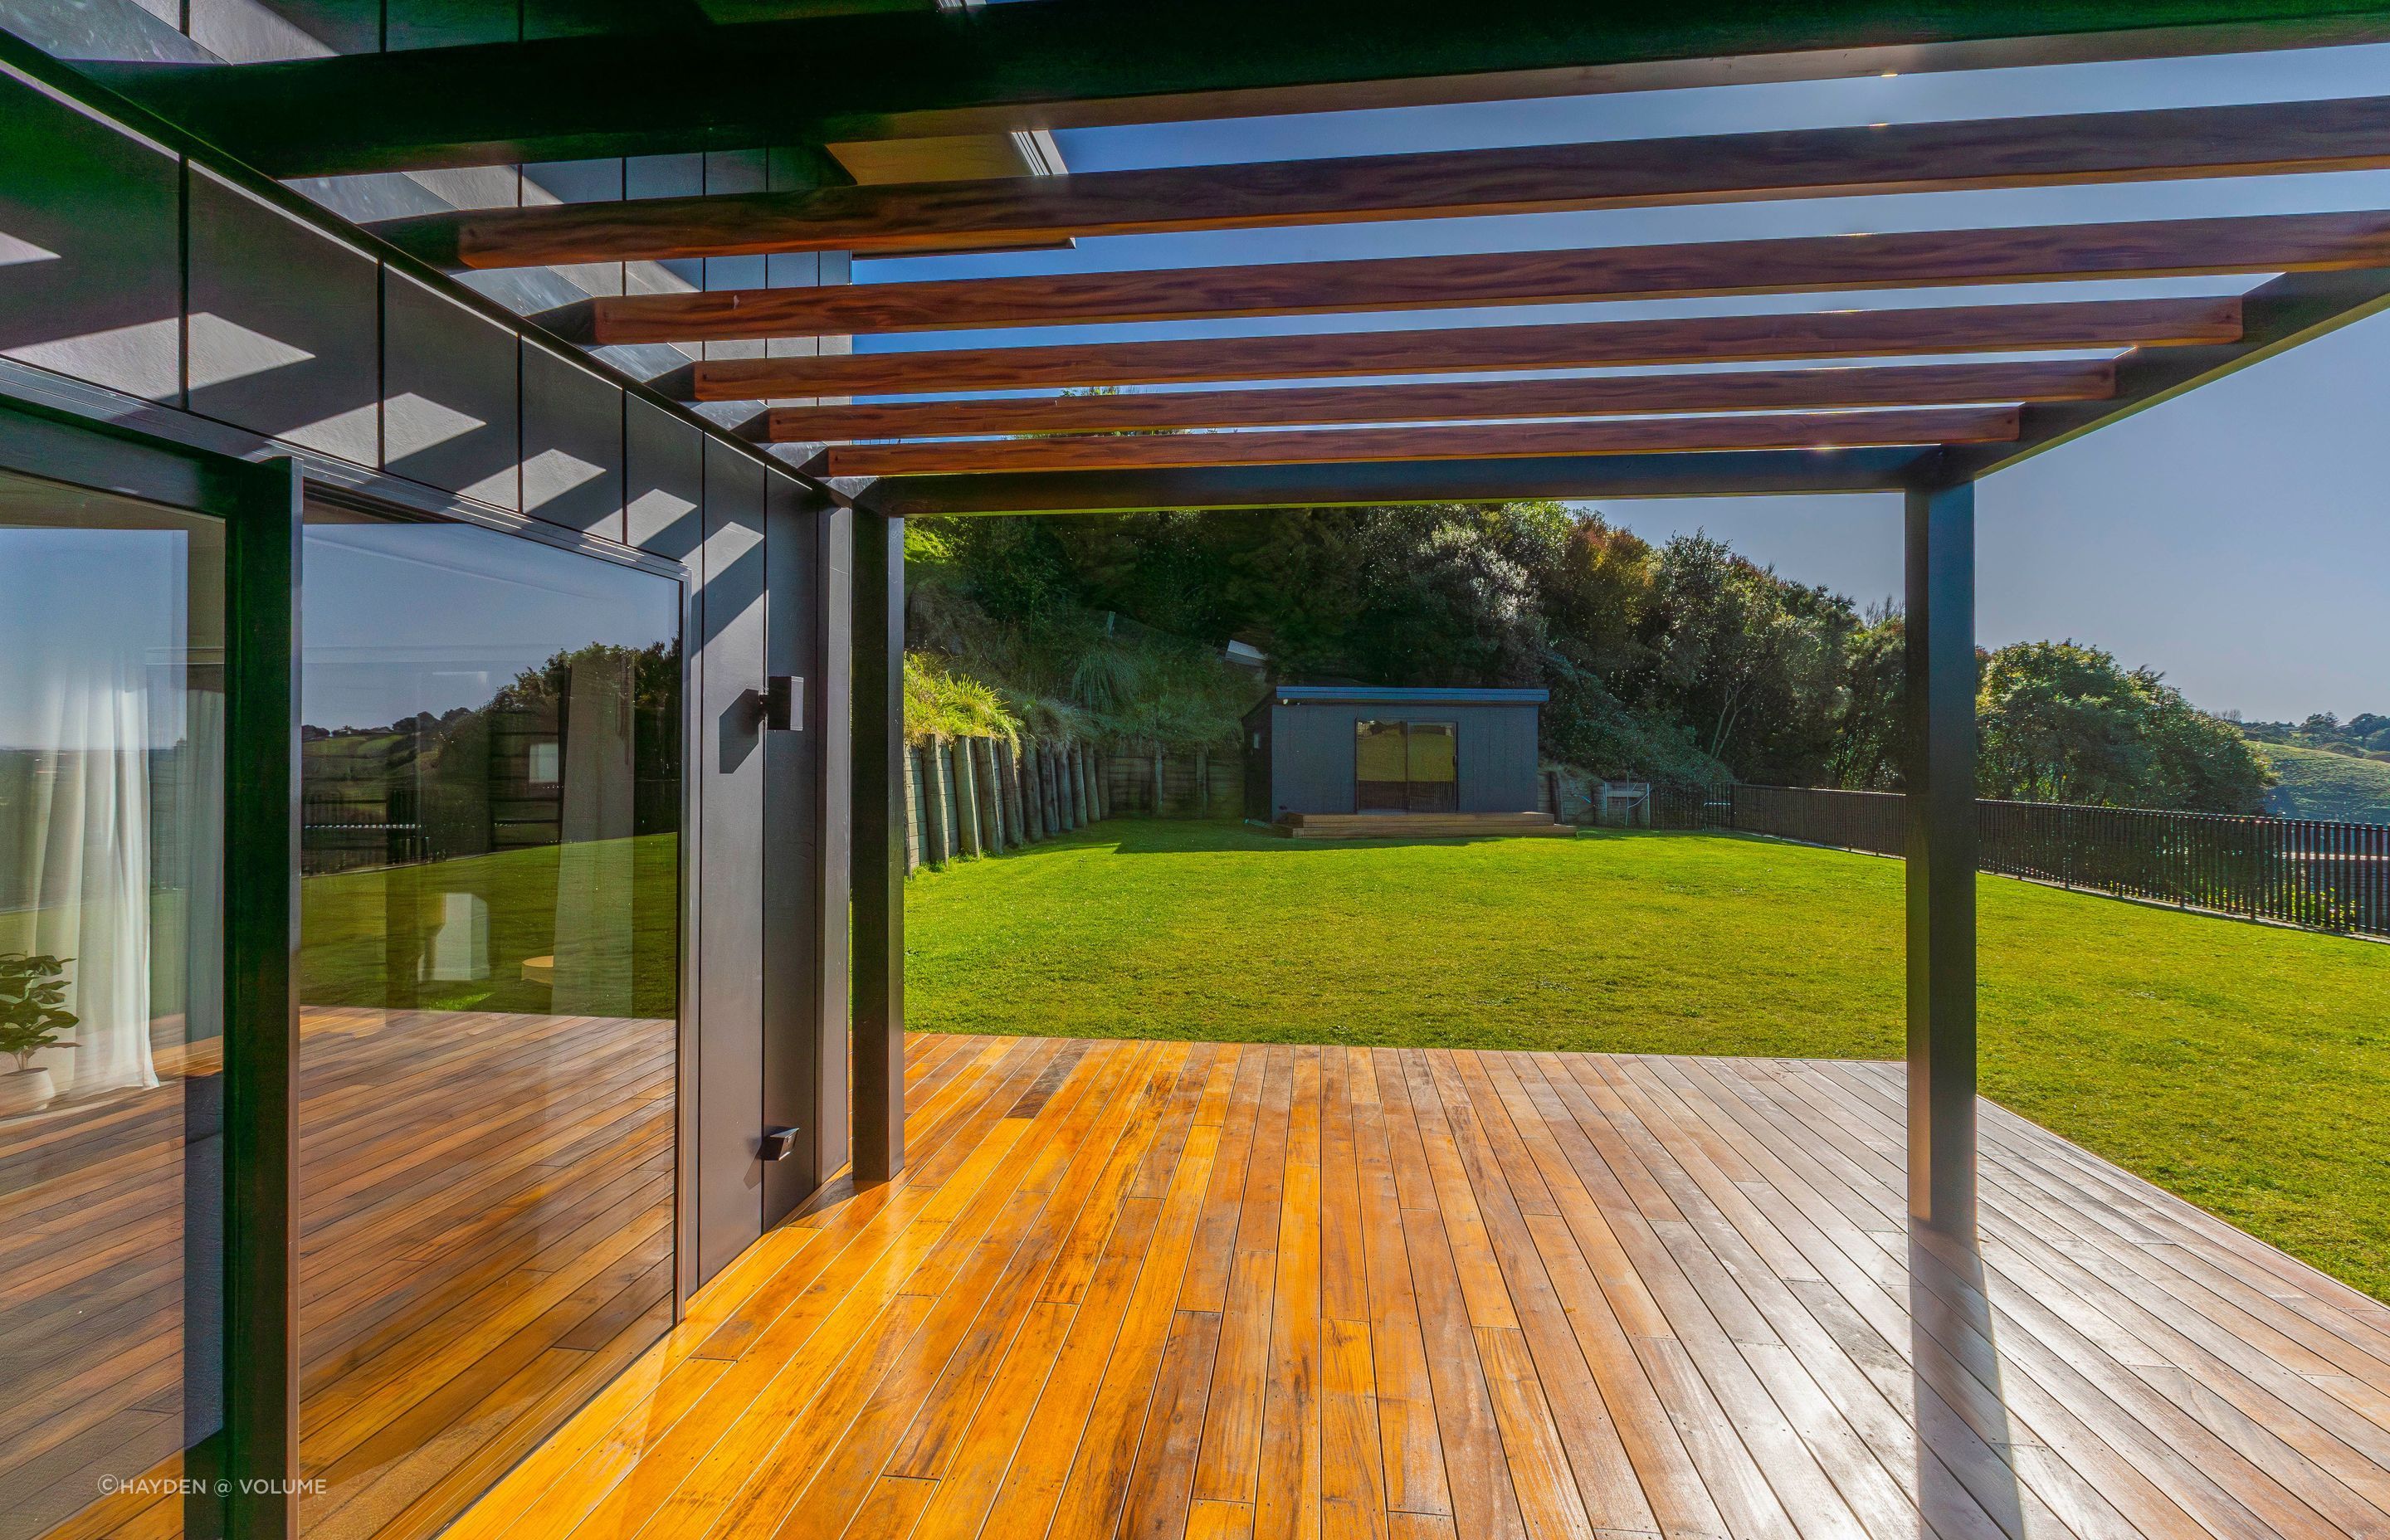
(486, 1210)
(1182, 1291)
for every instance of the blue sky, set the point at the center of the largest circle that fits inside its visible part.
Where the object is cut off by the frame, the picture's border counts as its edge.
(409, 618)
(2237, 539)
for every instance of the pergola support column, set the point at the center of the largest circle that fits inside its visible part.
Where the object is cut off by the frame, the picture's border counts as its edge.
(1941, 849)
(879, 924)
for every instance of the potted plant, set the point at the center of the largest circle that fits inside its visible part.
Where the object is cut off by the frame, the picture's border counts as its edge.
(33, 1017)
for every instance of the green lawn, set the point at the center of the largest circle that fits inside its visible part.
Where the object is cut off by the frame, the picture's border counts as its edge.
(2246, 1068)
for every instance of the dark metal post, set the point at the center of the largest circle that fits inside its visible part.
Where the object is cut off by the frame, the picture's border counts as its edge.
(1941, 849)
(878, 769)
(260, 1006)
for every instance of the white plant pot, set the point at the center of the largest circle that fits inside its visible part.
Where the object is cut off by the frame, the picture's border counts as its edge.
(25, 1091)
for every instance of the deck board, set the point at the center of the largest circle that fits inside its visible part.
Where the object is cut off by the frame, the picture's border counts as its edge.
(486, 1203)
(1213, 1292)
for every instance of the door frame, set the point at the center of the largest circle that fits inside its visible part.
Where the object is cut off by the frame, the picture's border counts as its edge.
(241, 1476)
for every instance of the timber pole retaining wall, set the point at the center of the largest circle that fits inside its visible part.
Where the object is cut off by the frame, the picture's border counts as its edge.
(984, 796)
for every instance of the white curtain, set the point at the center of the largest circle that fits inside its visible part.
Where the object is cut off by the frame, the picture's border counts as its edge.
(83, 839)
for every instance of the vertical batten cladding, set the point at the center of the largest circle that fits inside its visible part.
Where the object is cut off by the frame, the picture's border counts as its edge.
(729, 948)
(805, 910)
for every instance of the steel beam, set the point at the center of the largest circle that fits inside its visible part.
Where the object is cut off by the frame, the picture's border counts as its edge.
(1941, 849)
(2275, 318)
(1391, 482)
(879, 842)
(1087, 63)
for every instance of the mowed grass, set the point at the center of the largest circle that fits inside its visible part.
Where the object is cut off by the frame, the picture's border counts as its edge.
(2244, 1066)
(345, 918)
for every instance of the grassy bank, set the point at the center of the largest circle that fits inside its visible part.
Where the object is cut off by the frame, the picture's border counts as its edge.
(2241, 1066)
(2319, 785)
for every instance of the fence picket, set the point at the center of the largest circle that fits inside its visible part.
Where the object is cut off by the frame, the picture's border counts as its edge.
(2324, 875)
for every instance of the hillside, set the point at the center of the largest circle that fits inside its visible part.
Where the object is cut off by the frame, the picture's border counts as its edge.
(2316, 784)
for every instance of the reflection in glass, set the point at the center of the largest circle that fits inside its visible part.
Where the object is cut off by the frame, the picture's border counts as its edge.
(1379, 767)
(1435, 765)
(112, 719)
(490, 963)
(1405, 767)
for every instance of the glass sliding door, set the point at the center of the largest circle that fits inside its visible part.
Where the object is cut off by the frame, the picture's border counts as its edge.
(111, 749)
(1405, 767)
(490, 789)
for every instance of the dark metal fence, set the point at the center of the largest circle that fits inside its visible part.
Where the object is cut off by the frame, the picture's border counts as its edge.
(2300, 871)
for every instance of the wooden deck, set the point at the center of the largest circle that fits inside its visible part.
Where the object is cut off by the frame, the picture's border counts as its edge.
(486, 1207)
(1188, 1292)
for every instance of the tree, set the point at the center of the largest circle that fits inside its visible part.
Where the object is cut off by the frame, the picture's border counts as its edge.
(1683, 662)
(2063, 721)
(1751, 664)
(1870, 741)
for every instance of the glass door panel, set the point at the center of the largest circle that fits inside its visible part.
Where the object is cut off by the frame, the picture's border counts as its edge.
(1378, 767)
(111, 722)
(490, 789)
(1434, 767)
(1405, 767)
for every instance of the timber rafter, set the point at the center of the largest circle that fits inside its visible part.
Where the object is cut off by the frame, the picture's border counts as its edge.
(1606, 395)
(2137, 249)
(2089, 325)
(2250, 140)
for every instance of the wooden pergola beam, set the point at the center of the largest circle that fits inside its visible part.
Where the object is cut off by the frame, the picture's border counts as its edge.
(1087, 63)
(1610, 395)
(2089, 325)
(2261, 139)
(1386, 445)
(2142, 249)
(1754, 472)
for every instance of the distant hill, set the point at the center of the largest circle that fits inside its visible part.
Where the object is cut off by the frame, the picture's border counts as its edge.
(2317, 784)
